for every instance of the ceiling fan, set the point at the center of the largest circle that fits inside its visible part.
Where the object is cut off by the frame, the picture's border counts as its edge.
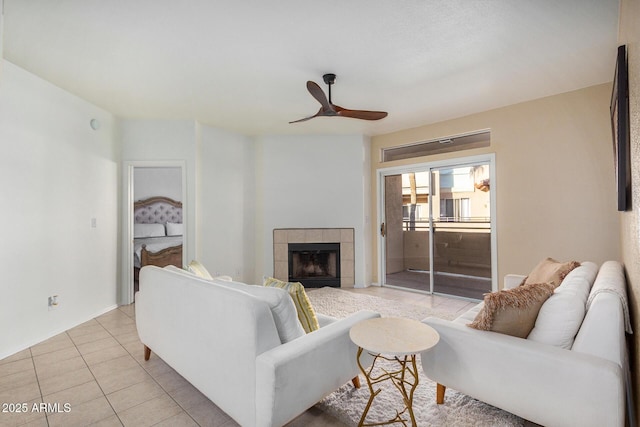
(329, 109)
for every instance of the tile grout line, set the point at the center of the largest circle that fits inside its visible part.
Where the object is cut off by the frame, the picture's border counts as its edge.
(160, 385)
(94, 377)
(151, 376)
(33, 362)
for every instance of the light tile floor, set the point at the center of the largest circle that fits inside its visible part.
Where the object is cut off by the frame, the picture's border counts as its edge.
(98, 370)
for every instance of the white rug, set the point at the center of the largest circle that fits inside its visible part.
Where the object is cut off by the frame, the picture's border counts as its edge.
(348, 403)
(339, 303)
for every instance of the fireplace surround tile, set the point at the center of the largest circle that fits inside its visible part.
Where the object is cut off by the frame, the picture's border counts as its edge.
(332, 235)
(281, 270)
(295, 235)
(346, 251)
(280, 236)
(280, 252)
(346, 235)
(312, 235)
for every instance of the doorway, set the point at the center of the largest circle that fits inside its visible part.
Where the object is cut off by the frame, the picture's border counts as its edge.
(147, 181)
(437, 227)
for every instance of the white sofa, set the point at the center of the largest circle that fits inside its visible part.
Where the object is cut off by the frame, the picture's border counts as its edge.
(583, 384)
(225, 342)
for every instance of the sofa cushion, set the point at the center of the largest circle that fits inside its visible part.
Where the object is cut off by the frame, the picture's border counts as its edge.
(512, 311)
(561, 315)
(306, 314)
(282, 308)
(550, 271)
(281, 305)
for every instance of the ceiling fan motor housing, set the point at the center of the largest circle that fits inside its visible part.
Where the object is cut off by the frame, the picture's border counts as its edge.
(329, 78)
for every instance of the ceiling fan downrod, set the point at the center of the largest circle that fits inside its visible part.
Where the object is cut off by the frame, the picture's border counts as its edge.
(329, 79)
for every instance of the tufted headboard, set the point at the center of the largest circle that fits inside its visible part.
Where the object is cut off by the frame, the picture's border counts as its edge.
(157, 210)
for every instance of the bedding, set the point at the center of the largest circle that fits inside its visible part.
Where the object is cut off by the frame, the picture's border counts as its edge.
(154, 244)
(148, 230)
(157, 226)
(174, 229)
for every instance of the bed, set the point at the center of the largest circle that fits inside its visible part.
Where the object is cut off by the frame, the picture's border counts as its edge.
(157, 232)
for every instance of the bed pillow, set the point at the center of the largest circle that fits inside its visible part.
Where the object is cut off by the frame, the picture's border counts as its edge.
(306, 314)
(550, 271)
(148, 230)
(512, 311)
(174, 229)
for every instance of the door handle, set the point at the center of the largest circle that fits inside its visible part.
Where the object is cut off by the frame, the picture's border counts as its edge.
(383, 229)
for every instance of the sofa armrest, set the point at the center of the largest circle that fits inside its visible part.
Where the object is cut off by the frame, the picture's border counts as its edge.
(541, 383)
(294, 376)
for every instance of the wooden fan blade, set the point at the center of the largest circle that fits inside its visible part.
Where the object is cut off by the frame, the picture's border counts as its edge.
(318, 94)
(319, 113)
(360, 114)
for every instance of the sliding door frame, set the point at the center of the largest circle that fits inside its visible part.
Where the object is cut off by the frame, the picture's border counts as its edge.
(430, 167)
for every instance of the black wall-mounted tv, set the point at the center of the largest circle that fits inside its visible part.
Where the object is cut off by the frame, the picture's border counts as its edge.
(620, 129)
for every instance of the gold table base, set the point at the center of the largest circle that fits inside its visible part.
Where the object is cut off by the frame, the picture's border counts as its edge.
(400, 379)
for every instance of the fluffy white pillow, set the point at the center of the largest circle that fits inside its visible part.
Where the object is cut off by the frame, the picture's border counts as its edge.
(148, 230)
(174, 229)
(561, 315)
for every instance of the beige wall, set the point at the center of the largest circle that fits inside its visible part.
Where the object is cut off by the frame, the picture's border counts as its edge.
(630, 221)
(555, 181)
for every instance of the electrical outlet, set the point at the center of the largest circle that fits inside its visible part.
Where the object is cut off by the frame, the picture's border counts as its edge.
(53, 302)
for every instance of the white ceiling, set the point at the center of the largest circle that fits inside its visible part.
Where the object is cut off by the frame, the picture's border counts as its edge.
(243, 65)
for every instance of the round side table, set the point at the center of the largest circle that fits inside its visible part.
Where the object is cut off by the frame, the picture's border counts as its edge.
(399, 340)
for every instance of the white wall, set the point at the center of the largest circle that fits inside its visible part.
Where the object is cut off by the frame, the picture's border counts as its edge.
(226, 203)
(162, 141)
(57, 174)
(313, 182)
(220, 187)
(158, 181)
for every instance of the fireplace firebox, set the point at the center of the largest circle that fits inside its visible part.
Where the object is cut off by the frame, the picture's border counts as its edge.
(315, 264)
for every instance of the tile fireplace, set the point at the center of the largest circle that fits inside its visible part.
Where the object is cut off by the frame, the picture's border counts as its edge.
(316, 257)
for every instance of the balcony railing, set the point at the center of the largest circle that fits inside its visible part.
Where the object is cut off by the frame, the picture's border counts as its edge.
(449, 223)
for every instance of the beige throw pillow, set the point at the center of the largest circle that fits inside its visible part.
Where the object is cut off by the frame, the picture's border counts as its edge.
(512, 311)
(550, 271)
(199, 270)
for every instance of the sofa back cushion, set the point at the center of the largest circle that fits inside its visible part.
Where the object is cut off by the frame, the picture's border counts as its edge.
(281, 306)
(561, 315)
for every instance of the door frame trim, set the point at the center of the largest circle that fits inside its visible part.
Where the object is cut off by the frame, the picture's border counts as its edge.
(427, 167)
(126, 295)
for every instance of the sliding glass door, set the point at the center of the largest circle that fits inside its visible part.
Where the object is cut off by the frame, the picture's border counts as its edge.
(437, 233)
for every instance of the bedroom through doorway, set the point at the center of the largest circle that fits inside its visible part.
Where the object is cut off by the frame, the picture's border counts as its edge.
(156, 218)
